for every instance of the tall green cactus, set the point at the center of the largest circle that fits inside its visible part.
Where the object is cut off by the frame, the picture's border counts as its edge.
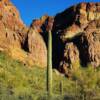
(49, 64)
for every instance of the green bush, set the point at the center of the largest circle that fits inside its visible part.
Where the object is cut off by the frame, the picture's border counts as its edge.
(20, 82)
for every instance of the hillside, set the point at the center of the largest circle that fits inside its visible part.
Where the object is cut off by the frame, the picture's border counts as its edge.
(19, 82)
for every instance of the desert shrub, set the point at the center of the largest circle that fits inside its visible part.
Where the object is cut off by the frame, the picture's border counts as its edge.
(20, 82)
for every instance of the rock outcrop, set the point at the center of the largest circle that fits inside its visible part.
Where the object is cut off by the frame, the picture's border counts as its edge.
(79, 30)
(37, 48)
(21, 42)
(10, 25)
(76, 36)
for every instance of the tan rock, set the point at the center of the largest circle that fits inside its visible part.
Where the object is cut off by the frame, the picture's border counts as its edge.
(21, 42)
(37, 48)
(71, 57)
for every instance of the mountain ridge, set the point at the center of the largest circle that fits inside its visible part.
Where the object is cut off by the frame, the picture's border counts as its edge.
(76, 32)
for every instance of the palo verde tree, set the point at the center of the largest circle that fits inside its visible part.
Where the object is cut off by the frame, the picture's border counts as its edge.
(49, 57)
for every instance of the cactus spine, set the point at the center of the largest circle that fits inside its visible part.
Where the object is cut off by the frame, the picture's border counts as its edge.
(49, 64)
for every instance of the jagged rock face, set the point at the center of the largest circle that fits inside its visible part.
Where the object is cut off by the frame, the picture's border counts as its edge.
(41, 25)
(37, 48)
(21, 42)
(90, 42)
(11, 25)
(71, 42)
(76, 36)
(37, 41)
(70, 58)
(80, 26)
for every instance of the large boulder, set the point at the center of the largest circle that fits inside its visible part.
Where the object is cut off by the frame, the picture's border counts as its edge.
(37, 48)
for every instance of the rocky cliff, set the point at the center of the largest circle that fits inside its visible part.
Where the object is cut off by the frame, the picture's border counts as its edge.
(21, 42)
(76, 36)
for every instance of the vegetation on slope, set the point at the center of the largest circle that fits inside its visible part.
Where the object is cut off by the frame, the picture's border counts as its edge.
(20, 82)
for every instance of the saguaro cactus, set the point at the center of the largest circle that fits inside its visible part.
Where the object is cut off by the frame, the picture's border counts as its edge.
(49, 64)
(49, 58)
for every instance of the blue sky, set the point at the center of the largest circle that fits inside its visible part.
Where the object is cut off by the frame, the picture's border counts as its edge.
(33, 9)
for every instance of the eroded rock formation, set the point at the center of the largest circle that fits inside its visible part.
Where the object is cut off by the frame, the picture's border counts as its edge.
(10, 25)
(79, 28)
(21, 42)
(76, 36)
